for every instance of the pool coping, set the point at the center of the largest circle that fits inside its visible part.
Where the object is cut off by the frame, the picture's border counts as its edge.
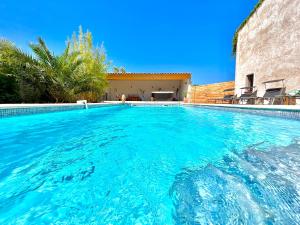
(285, 111)
(253, 107)
(260, 107)
(9, 110)
(26, 105)
(282, 111)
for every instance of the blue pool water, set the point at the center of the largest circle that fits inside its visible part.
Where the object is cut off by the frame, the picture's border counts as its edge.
(149, 165)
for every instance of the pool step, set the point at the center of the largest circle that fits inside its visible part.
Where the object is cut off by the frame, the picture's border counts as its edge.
(253, 187)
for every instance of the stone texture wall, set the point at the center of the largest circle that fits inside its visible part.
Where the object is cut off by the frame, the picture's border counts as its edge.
(205, 93)
(269, 46)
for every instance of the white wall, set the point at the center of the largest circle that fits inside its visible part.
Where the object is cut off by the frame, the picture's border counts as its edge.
(145, 88)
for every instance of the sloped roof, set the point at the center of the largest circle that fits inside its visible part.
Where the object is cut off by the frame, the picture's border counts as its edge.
(148, 76)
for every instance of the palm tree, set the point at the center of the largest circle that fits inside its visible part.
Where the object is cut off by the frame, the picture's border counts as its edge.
(61, 70)
(46, 77)
(21, 69)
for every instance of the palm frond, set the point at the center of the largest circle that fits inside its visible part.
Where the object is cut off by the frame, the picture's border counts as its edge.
(43, 54)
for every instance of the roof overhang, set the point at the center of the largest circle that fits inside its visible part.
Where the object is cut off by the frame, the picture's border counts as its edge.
(148, 76)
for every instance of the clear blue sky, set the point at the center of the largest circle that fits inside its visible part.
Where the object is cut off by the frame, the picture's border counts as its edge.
(143, 36)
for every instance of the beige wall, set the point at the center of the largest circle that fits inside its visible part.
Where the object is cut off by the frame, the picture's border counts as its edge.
(269, 46)
(145, 88)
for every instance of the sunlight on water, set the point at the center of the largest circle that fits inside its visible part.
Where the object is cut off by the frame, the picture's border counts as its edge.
(149, 165)
(252, 187)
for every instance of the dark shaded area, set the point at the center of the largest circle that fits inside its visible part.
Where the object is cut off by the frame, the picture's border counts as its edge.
(9, 90)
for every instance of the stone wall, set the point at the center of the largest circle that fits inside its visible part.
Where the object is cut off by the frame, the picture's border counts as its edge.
(206, 93)
(269, 46)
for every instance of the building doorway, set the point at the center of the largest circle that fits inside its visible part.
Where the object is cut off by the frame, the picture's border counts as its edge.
(250, 81)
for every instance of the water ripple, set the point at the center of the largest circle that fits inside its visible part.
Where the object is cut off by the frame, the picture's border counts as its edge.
(253, 187)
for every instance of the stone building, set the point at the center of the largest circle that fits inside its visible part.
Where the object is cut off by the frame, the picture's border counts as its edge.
(268, 47)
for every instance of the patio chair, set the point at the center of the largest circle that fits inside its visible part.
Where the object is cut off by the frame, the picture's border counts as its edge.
(248, 96)
(274, 94)
(227, 97)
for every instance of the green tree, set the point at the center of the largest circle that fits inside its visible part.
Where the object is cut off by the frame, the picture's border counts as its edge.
(79, 72)
(116, 69)
(92, 72)
(61, 71)
(119, 69)
(20, 77)
(43, 77)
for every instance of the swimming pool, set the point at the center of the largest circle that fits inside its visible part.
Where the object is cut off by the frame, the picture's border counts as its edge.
(149, 165)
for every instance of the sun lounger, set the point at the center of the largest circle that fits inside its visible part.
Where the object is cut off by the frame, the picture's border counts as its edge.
(274, 96)
(228, 98)
(248, 97)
